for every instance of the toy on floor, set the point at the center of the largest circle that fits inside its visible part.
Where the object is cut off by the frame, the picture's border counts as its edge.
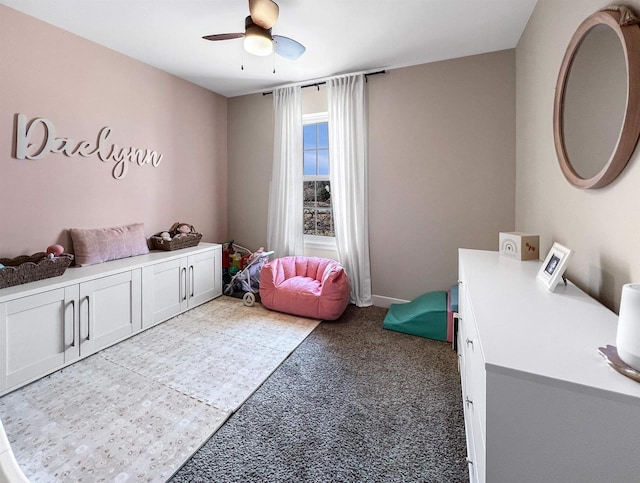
(247, 278)
(426, 316)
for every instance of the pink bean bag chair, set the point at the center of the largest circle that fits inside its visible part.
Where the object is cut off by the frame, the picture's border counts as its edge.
(307, 286)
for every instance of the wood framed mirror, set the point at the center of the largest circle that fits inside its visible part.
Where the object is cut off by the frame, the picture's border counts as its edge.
(596, 114)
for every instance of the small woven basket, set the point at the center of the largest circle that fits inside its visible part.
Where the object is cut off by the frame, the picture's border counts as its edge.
(190, 240)
(25, 269)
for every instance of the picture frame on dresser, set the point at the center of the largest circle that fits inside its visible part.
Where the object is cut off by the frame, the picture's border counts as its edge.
(554, 266)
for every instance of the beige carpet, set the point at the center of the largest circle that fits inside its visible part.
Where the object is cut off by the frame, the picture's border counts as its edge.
(138, 410)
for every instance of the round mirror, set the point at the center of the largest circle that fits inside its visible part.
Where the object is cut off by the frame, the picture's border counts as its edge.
(596, 111)
(595, 100)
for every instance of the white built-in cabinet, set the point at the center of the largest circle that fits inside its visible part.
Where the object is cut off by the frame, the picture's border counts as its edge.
(540, 403)
(48, 324)
(177, 285)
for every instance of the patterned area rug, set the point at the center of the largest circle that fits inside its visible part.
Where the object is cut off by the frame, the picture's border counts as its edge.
(138, 410)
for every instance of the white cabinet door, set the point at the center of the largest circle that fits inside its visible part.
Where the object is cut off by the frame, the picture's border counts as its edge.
(174, 286)
(204, 278)
(110, 310)
(38, 334)
(162, 286)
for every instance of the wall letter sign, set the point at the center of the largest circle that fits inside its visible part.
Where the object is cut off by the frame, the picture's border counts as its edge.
(105, 151)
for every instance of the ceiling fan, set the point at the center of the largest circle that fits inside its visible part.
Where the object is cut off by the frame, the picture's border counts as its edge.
(258, 39)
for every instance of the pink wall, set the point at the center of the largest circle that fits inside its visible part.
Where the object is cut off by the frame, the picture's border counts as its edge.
(82, 87)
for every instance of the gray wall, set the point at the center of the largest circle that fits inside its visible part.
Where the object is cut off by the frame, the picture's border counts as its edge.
(601, 226)
(442, 167)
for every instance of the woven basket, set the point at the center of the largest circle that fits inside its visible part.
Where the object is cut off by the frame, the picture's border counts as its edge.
(190, 240)
(25, 269)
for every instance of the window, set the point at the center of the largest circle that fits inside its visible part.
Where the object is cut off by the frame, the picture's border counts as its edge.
(317, 209)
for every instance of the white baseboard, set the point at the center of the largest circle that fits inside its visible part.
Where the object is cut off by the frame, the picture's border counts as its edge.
(385, 302)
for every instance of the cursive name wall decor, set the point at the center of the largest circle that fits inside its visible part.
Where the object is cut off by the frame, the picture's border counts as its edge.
(105, 151)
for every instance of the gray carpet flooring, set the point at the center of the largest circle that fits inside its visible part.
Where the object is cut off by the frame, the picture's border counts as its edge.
(352, 403)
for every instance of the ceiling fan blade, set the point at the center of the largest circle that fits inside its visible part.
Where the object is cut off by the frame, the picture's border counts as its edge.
(287, 48)
(264, 13)
(224, 36)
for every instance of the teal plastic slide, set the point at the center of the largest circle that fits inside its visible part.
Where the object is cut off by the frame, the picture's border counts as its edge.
(425, 316)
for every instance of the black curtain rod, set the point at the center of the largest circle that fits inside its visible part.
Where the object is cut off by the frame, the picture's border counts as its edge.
(318, 84)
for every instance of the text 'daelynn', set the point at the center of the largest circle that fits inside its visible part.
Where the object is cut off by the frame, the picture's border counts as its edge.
(122, 157)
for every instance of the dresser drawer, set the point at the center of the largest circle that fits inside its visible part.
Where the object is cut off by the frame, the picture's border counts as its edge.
(473, 381)
(471, 445)
(475, 375)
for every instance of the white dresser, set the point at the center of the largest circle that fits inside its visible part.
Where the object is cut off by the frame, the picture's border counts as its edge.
(540, 403)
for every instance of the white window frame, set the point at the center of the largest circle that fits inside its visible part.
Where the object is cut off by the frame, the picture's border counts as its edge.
(316, 241)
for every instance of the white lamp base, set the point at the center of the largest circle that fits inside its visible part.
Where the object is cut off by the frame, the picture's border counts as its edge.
(628, 334)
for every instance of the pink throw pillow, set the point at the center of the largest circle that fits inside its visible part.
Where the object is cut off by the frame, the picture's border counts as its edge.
(97, 245)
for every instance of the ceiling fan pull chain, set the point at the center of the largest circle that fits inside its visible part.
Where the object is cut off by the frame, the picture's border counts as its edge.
(273, 56)
(242, 60)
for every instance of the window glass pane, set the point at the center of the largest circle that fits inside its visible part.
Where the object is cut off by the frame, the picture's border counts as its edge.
(309, 163)
(323, 135)
(323, 194)
(309, 222)
(323, 162)
(324, 220)
(309, 136)
(309, 194)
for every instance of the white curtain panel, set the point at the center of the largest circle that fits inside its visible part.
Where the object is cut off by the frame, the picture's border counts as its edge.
(284, 226)
(348, 129)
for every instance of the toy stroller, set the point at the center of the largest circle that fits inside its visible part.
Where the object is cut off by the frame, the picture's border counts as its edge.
(247, 280)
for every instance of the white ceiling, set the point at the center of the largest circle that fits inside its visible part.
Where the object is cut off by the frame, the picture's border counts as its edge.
(341, 36)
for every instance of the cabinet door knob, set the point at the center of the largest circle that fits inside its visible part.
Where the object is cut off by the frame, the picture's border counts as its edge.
(469, 461)
(468, 401)
(469, 341)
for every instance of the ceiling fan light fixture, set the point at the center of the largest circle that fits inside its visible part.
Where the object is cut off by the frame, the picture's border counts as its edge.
(258, 41)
